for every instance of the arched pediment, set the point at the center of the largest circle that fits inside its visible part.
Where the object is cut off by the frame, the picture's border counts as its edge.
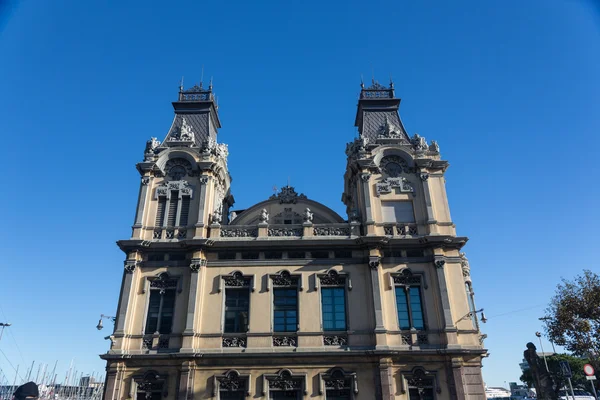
(287, 207)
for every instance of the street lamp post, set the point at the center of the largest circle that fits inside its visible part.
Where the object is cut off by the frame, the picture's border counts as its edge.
(539, 335)
(3, 325)
(551, 342)
(100, 325)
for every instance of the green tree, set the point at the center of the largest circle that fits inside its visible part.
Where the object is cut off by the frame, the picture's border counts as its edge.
(576, 364)
(573, 317)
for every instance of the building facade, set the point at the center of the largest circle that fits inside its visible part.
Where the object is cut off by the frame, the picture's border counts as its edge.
(288, 299)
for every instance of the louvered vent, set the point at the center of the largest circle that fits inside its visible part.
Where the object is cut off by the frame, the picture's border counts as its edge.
(160, 211)
(185, 211)
(172, 208)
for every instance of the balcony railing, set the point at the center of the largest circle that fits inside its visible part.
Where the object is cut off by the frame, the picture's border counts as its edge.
(170, 232)
(400, 229)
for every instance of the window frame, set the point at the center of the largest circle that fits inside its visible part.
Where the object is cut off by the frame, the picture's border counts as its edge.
(161, 283)
(285, 280)
(406, 279)
(333, 279)
(387, 203)
(236, 280)
(168, 189)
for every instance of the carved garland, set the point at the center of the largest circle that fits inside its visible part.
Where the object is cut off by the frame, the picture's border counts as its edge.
(149, 383)
(163, 283)
(407, 278)
(165, 189)
(388, 184)
(285, 279)
(237, 280)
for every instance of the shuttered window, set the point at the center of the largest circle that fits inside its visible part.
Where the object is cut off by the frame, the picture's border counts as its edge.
(397, 211)
(160, 211)
(185, 211)
(173, 203)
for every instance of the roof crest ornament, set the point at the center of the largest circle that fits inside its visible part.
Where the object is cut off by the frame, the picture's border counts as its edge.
(287, 195)
(389, 130)
(183, 134)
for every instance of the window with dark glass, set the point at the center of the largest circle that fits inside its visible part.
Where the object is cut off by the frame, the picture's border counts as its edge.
(285, 314)
(420, 385)
(409, 301)
(237, 304)
(160, 311)
(238, 395)
(284, 395)
(333, 305)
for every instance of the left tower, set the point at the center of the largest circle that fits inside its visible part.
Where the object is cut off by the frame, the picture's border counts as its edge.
(184, 187)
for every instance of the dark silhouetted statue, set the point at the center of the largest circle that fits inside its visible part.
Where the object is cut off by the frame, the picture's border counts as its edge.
(541, 377)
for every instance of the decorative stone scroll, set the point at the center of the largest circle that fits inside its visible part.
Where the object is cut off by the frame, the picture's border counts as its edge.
(339, 381)
(163, 283)
(285, 279)
(335, 340)
(388, 184)
(421, 380)
(374, 262)
(232, 381)
(407, 278)
(285, 380)
(287, 232)
(331, 231)
(238, 232)
(234, 341)
(332, 278)
(166, 188)
(290, 341)
(130, 266)
(198, 263)
(419, 143)
(287, 195)
(149, 383)
(237, 280)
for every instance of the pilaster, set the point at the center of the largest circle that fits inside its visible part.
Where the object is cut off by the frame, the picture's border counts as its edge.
(428, 203)
(200, 225)
(186, 381)
(145, 183)
(196, 278)
(449, 326)
(366, 193)
(374, 267)
(385, 376)
(130, 269)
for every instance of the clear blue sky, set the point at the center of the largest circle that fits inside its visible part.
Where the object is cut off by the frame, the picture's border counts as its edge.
(510, 90)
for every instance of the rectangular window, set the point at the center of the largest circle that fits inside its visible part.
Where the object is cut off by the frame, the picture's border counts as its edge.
(160, 312)
(185, 211)
(320, 254)
(333, 304)
(172, 214)
(397, 211)
(250, 255)
(343, 254)
(410, 309)
(285, 310)
(160, 211)
(237, 305)
(295, 254)
(273, 255)
(402, 306)
(416, 311)
(226, 255)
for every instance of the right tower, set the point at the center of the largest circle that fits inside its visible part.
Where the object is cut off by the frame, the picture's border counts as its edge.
(394, 186)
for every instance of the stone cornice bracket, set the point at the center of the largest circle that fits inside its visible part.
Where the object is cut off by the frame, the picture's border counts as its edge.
(424, 176)
(374, 262)
(130, 266)
(204, 179)
(145, 180)
(197, 263)
(440, 262)
(365, 177)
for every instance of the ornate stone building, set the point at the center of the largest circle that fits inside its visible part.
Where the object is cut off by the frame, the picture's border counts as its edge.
(288, 299)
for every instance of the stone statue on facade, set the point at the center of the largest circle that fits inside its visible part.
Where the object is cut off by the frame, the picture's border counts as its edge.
(464, 262)
(419, 142)
(185, 132)
(307, 215)
(263, 218)
(541, 377)
(151, 145)
(434, 147)
(217, 216)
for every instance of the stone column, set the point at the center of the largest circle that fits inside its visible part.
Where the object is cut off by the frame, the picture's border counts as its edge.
(457, 377)
(369, 223)
(380, 331)
(186, 381)
(112, 386)
(130, 268)
(195, 282)
(449, 328)
(385, 376)
(201, 205)
(428, 202)
(141, 208)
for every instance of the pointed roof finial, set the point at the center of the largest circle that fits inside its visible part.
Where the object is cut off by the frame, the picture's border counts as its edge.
(181, 85)
(362, 82)
(202, 75)
(210, 84)
(391, 82)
